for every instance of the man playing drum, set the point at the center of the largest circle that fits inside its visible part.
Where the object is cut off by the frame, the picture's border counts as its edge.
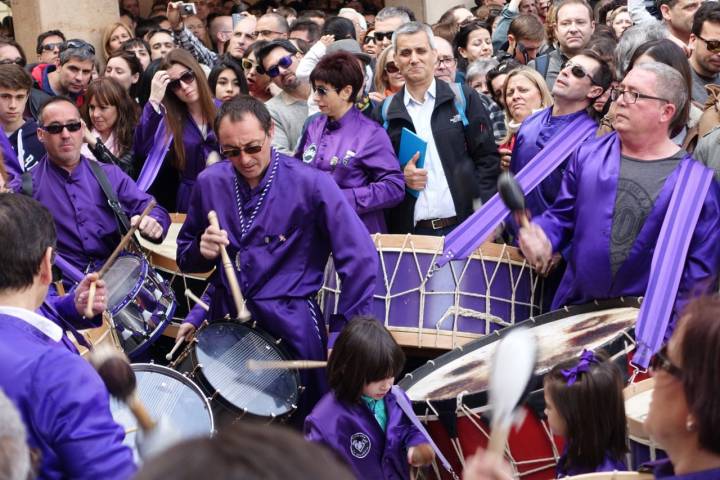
(614, 196)
(280, 219)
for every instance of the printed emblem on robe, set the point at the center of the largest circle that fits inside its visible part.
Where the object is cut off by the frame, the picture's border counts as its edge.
(348, 157)
(309, 153)
(360, 445)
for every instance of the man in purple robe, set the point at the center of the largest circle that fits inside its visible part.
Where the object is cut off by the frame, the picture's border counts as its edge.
(61, 399)
(614, 196)
(280, 220)
(65, 183)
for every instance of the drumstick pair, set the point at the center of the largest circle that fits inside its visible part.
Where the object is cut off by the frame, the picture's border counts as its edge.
(181, 339)
(113, 256)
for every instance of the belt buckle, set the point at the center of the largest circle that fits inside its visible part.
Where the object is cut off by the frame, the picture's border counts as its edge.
(432, 223)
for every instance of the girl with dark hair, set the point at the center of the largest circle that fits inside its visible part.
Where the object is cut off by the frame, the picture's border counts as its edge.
(472, 42)
(175, 134)
(110, 117)
(227, 81)
(354, 149)
(360, 419)
(584, 404)
(126, 69)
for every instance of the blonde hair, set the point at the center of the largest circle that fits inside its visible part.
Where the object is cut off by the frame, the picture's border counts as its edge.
(108, 33)
(380, 80)
(531, 74)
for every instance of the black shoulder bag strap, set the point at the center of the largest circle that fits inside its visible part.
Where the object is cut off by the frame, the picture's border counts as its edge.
(27, 184)
(112, 199)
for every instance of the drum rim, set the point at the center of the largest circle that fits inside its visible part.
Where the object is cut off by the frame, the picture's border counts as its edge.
(154, 368)
(212, 390)
(496, 249)
(138, 285)
(479, 399)
(154, 335)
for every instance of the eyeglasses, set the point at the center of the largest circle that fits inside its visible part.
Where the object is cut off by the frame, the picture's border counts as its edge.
(380, 36)
(283, 63)
(79, 44)
(390, 67)
(187, 78)
(449, 61)
(267, 33)
(632, 97)
(369, 39)
(661, 362)
(232, 151)
(49, 47)
(578, 71)
(56, 128)
(9, 61)
(712, 45)
(323, 92)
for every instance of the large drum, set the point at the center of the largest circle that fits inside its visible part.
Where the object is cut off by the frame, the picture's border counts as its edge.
(637, 405)
(447, 308)
(450, 393)
(166, 393)
(163, 256)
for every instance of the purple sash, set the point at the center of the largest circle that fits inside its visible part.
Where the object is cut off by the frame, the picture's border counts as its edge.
(155, 158)
(669, 259)
(462, 241)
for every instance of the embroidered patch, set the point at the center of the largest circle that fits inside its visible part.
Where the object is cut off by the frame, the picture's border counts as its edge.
(349, 155)
(309, 153)
(360, 445)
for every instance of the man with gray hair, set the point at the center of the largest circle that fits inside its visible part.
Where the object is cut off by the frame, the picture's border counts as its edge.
(614, 197)
(14, 451)
(72, 74)
(461, 163)
(387, 21)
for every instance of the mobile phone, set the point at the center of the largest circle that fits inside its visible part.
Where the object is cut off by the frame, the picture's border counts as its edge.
(187, 9)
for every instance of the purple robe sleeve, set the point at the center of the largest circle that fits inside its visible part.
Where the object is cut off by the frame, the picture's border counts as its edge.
(189, 258)
(145, 130)
(64, 306)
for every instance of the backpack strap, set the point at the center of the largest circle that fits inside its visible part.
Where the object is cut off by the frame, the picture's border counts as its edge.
(542, 63)
(112, 198)
(460, 102)
(384, 110)
(27, 184)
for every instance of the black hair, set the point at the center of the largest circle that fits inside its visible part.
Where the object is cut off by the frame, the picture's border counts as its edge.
(223, 65)
(708, 12)
(41, 38)
(11, 42)
(462, 37)
(308, 26)
(603, 77)
(144, 25)
(364, 352)
(145, 83)
(26, 231)
(339, 27)
(265, 50)
(340, 69)
(503, 68)
(242, 105)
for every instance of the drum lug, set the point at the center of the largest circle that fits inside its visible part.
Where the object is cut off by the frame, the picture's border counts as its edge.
(278, 341)
(301, 389)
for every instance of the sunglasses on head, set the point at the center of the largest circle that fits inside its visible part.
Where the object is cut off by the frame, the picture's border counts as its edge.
(79, 44)
(380, 36)
(229, 152)
(712, 45)
(578, 71)
(283, 63)
(187, 78)
(49, 47)
(390, 67)
(57, 128)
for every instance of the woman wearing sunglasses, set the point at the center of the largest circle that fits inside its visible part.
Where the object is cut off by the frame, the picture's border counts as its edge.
(258, 83)
(370, 45)
(352, 148)
(684, 414)
(388, 79)
(175, 135)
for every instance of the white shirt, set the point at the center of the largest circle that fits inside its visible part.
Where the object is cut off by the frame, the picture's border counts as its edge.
(48, 327)
(435, 201)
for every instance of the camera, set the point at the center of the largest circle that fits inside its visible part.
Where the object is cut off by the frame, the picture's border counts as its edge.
(187, 9)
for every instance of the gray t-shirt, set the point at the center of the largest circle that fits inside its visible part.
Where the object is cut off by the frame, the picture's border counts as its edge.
(639, 185)
(699, 94)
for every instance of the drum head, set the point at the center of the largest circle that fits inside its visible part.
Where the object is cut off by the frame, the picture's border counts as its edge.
(222, 351)
(166, 393)
(123, 280)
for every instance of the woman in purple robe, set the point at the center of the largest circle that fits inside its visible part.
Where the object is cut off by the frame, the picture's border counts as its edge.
(352, 148)
(584, 404)
(175, 136)
(684, 415)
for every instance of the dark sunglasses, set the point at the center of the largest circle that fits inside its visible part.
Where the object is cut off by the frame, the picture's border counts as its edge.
(187, 78)
(57, 128)
(390, 67)
(579, 72)
(79, 44)
(248, 150)
(661, 362)
(712, 45)
(323, 92)
(9, 61)
(283, 63)
(49, 47)
(380, 36)
(369, 39)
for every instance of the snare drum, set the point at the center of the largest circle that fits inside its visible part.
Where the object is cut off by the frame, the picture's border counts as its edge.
(163, 257)
(219, 357)
(140, 301)
(102, 335)
(637, 405)
(166, 393)
(450, 392)
(462, 301)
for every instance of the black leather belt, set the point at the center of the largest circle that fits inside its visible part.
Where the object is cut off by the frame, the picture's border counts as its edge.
(437, 223)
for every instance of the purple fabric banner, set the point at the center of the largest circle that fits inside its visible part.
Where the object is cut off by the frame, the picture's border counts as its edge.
(68, 270)
(153, 162)
(462, 241)
(668, 260)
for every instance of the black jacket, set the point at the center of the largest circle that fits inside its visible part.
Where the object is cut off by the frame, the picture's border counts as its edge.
(469, 155)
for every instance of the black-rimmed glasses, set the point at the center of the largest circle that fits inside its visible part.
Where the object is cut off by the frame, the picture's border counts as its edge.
(632, 97)
(233, 151)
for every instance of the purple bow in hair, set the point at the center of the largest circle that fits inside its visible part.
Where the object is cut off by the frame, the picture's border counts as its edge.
(586, 359)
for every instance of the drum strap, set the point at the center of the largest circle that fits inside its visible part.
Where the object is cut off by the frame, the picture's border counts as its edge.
(111, 196)
(462, 241)
(410, 414)
(668, 259)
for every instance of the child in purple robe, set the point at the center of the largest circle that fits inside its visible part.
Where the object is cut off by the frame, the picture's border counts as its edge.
(360, 418)
(584, 404)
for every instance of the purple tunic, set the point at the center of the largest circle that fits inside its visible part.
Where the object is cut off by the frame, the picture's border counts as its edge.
(86, 227)
(664, 470)
(171, 187)
(607, 465)
(358, 154)
(352, 432)
(63, 404)
(583, 213)
(282, 256)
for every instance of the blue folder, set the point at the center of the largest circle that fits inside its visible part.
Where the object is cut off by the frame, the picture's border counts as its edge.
(410, 144)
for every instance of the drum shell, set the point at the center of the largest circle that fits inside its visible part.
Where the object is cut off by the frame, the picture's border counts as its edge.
(102, 335)
(637, 403)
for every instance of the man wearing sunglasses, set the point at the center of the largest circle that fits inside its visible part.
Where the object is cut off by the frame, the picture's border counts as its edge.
(280, 220)
(387, 21)
(279, 59)
(614, 196)
(48, 46)
(705, 44)
(64, 182)
(72, 73)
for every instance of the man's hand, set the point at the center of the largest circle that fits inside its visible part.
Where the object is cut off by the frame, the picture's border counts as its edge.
(173, 16)
(186, 331)
(486, 465)
(149, 227)
(81, 295)
(210, 242)
(415, 178)
(505, 157)
(536, 247)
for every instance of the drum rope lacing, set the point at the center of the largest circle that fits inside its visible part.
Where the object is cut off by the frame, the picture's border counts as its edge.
(243, 226)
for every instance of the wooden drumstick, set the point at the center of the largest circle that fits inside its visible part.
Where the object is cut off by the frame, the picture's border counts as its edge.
(285, 364)
(178, 342)
(113, 256)
(189, 294)
(243, 314)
